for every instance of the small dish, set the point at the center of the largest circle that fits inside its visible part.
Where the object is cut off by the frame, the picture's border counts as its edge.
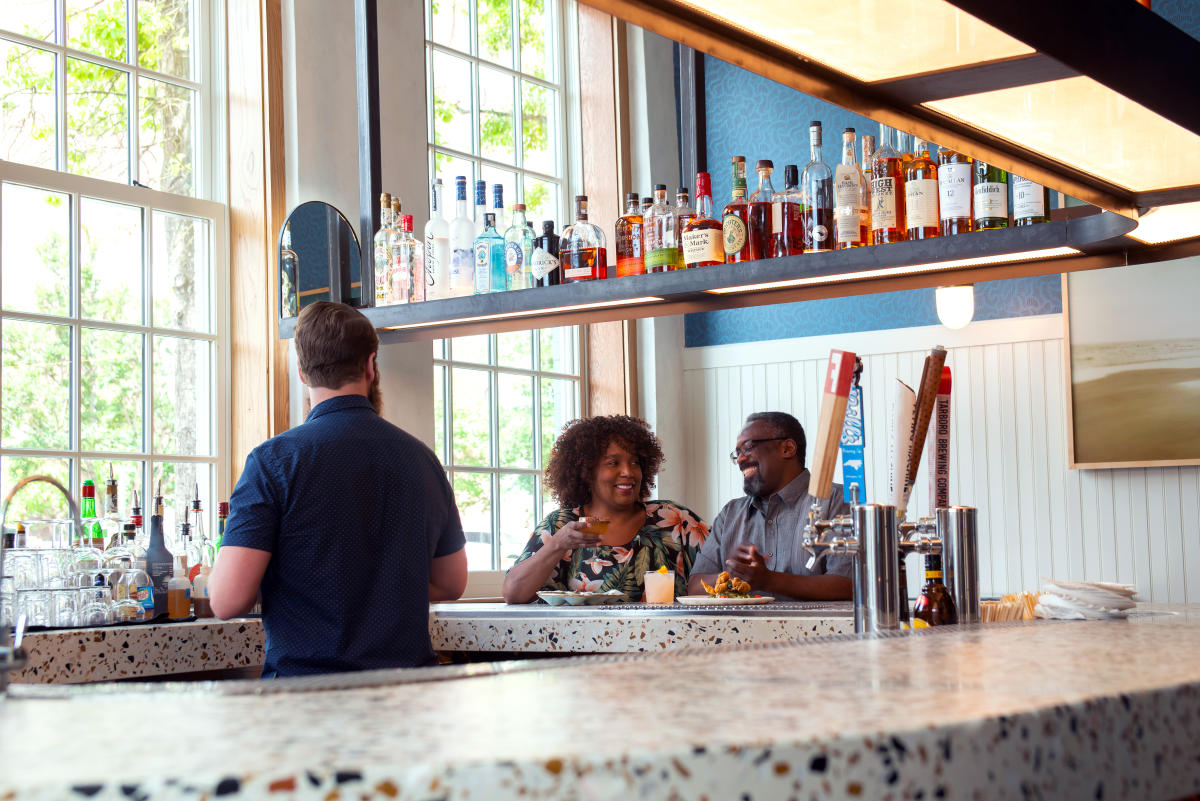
(708, 600)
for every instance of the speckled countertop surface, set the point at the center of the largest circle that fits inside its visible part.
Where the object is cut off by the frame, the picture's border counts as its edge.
(1038, 710)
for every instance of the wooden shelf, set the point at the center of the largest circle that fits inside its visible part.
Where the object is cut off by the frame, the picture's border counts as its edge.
(966, 258)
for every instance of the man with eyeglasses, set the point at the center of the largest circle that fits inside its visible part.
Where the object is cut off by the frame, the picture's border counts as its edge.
(760, 537)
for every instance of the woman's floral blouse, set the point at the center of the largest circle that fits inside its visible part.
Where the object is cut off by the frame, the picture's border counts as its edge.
(671, 536)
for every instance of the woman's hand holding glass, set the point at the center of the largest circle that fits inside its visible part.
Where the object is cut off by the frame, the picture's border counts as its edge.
(575, 534)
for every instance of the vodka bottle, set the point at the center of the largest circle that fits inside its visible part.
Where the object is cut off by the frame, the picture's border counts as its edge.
(480, 205)
(498, 207)
(437, 247)
(462, 241)
(408, 269)
(383, 249)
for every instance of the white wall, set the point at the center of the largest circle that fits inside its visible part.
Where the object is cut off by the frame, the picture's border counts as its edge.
(1008, 452)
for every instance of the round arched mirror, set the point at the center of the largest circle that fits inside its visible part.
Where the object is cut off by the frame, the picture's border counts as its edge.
(317, 251)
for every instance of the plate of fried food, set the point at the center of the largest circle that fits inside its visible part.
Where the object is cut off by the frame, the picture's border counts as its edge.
(728, 591)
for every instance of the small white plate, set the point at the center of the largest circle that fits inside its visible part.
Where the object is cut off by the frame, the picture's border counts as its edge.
(708, 600)
(558, 597)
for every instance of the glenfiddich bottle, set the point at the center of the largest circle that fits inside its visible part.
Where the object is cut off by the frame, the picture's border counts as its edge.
(934, 605)
(991, 197)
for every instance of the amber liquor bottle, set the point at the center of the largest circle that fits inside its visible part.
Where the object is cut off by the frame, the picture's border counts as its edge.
(735, 217)
(760, 224)
(582, 247)
(787, 216)
(921, 194)
(868, 152)
(955, 183)
(887, 192)
(629, 239)
(934, 605)
(701, 235)
(852, 196)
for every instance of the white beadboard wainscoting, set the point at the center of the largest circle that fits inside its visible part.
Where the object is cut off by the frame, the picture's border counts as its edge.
(1008, 452)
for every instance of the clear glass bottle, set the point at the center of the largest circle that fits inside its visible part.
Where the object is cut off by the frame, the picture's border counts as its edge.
(683, 213)
(868, 152)
(408, 270)
(850, 191)
(759, 224)
(462, 243)
(480, 206)
(1031, 202)
(956, 180)
(544, 262)
(179, 592)
(659, 234)
(816, 182)
(498, 207)
(582, 249)
(787, 215)
(110, 521)
(203, 551)
(383, 250)
(490, 272)
(991, 197)
(437, 246)
(647, 202)
(701, 235)
(735, 217)
(518, 249)
(921, 194)
(887, 192)
(628, 238)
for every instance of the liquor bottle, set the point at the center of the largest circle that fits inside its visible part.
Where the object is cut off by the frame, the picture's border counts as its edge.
(134, 582)
(701, 235)
(408, 270)
(222, 516)
(887, 192)
(188, 550)
(498, 207)
(141, 538)
(462, 243)
(383, 250)
(647, 202)
(735, 217)
(758, 223)
(91, 533)
(518, 248)
(110, 523)
(816, 182)
(787, 215)
(1031, 202)
(991, 197)
(628, 239)
(850, 194)
(544, 261)
(683, 213)
(490, 273)
(480, 206)
(934, 605)
(437, 247)
(868, 153)
(921, 194)
(903, 142)
(582, 249)
(659, 235)
(202, 545)
(158, 562)
(179, 591)
(955, 182)
(289, 274)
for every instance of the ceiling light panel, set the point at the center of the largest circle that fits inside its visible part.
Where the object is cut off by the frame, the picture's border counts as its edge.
(1168, 224)
(871, 40)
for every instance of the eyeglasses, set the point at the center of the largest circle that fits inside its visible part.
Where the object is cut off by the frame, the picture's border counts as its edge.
(751, 444)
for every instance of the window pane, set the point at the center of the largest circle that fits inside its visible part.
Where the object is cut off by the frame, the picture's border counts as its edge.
(539, 111)
(27, 109)
(560, 405)
(439, 413)
(35, 261)
(181, 273)
(32, 18)
(178, 482)
(447, 167)
(97, 26)
(473, 494)
(452, 24)
(560, 350)
(537, 38)
(470, 349)
(541, 201)
(452, 103)
(36, 378)
(472, 416)
(182, 411)
(166, 137)
(97, 121)
(111, 392)
(37, 501)
(517, 513)
(164, 36)
(515, 349)
(111, 261)
(516, 420)
(495, 31)
(497, 129)
(129, 478)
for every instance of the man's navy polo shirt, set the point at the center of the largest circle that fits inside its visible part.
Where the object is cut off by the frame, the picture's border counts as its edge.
(352, 509)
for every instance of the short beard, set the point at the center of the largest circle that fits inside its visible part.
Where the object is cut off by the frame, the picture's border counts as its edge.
(374, 394)
(753, 485)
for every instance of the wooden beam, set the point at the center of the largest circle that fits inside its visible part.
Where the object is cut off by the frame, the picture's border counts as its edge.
(276, 202)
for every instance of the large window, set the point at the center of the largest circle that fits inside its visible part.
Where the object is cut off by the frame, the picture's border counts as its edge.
(111, 323)
(500, 401)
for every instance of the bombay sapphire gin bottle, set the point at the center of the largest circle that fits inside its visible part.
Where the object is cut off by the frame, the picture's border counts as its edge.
(490, 272)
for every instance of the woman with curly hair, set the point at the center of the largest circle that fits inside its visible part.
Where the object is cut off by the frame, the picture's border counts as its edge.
(604, 467)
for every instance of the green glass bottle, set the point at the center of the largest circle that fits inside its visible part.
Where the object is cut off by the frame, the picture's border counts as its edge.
(991, 197)
(1031, 202)
(92, 534)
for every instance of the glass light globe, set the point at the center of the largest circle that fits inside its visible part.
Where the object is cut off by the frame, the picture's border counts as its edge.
(955, 305)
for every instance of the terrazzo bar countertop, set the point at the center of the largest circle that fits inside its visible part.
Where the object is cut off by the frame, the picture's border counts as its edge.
(75, 656)
(1053, 710)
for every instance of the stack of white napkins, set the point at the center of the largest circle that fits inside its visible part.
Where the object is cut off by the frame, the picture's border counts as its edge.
(1084, 600)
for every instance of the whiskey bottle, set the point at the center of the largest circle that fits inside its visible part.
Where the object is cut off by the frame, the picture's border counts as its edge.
(817, 184)
(991, 197)
(701, 235)
(683, 213)
(955, 183)
(490, 272)
(659, 235)
(735, 216)
(887, 192)
(1031, 202)
(647, 202)
(582, 248)
(518, 248)
(462, 243)
(544, 261)
(850, 191)
(868, 152)
(787, 216)
(437, 247)
(383, 250)
(934, 605)
(629, 239)
(921, 194)
(759, 225)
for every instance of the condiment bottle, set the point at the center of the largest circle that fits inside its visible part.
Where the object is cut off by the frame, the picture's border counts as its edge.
(179, 592)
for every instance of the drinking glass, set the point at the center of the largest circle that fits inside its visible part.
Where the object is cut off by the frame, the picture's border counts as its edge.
(126, 610)
(25, 566)
(95, 606)
(64, 607)
(35, 605)
(8, 601)
(56, 563)
(660, 587)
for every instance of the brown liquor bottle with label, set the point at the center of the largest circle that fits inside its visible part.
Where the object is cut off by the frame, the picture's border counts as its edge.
(820, 229)
(629, 239)
(760, 223)
(582, 247)
(956, 181)
(887, 192)
(701, 235)
(934, 605)
(921, 194)
(735, 217)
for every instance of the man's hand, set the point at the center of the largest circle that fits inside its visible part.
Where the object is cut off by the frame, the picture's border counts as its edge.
(749, 564)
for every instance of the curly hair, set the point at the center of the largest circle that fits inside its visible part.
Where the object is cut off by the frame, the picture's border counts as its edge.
(581, 445)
